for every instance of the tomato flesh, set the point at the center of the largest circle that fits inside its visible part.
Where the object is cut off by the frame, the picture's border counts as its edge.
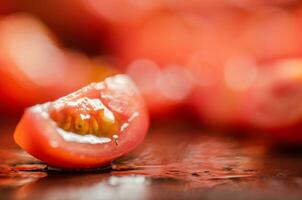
(85, 116)
(88, 128)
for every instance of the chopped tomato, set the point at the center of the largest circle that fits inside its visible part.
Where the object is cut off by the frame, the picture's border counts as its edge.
(34, 69)
(88, 128)
(219, 91)
(164, 38)
(249, 95)
(158, 52)
(281, 27)
(170, 86)
(274, 101)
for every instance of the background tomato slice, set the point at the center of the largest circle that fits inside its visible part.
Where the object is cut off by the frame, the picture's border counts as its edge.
(33, 67)
(273, 102)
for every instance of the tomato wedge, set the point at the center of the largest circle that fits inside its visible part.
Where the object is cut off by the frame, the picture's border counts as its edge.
(32, 63)
(274, 102)
(88, 128)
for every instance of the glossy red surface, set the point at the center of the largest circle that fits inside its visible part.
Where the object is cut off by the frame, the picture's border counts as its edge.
(114, 103)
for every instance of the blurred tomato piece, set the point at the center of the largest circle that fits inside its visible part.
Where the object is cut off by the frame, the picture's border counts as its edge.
(161, 49)
(219, 50)
(219, 92)
(165, 90)
(164, 38)
(33, 67)
(248, 94)
(71, 21)
(274, 101)
(172, 38)
(271, 33)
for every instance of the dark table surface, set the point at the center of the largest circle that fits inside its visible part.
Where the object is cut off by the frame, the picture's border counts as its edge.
(172, 163)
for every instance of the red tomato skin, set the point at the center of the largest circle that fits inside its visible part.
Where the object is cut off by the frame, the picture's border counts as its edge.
(38, 136)
(284, 125)
(39, 78)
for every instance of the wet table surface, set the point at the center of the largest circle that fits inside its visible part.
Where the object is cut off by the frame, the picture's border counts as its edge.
(172, 163)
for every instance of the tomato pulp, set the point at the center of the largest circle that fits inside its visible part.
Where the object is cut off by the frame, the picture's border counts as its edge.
(88, 128)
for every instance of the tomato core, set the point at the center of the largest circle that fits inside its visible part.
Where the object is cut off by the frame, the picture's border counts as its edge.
(85, 116)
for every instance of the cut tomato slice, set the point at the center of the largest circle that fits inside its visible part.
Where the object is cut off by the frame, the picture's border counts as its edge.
(32, 63)
(88, 128)
(171, 84)
(273, 104)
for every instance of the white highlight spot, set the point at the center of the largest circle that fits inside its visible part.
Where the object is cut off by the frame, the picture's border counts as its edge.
(115, 180)
(54, 144)
(90, 139)
(85, 116)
